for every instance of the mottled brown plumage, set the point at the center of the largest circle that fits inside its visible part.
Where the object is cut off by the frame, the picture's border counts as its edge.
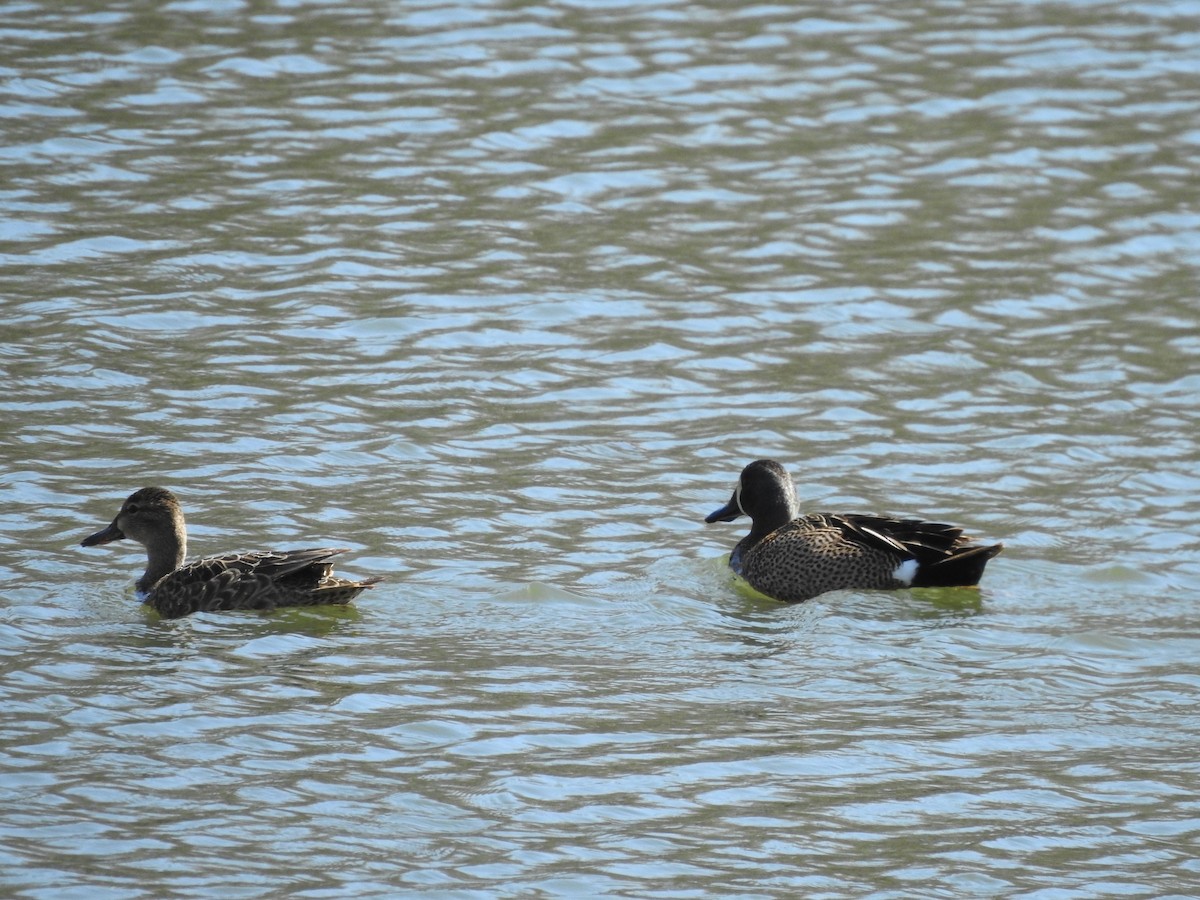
(263, 579)
(794, 557)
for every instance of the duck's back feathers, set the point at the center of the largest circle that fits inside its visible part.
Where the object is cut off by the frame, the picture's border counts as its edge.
(274, 564)
(925, 540)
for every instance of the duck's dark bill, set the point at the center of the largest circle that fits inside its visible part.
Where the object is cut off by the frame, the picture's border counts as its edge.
(726, 513)
(107, 536)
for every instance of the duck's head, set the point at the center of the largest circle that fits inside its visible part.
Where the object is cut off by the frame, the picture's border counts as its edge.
(765, 493)
(148, 516)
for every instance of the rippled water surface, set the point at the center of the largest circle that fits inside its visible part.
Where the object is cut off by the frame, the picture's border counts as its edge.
(502, 297)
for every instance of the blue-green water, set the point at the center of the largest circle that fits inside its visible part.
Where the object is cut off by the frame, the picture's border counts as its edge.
(503, 298)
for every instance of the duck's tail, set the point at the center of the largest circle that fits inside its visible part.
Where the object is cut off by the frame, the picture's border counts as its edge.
(960, 568)
(340, 590)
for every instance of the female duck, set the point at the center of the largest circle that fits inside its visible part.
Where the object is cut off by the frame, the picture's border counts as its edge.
(794, 557)
(263, 579)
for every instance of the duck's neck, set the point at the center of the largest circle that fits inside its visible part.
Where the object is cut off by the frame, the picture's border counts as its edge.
(775, 515)
(761, 528)
(163, 557)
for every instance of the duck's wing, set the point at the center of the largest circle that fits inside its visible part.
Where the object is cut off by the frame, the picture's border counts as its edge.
(909, 537)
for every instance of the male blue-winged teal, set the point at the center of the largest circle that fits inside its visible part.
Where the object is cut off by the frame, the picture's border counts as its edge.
(794, 557)
(263, 579)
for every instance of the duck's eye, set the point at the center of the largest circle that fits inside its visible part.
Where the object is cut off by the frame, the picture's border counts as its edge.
(131, 507)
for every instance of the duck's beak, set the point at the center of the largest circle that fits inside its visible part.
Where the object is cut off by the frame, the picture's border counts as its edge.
(726, 513)
(106, 536)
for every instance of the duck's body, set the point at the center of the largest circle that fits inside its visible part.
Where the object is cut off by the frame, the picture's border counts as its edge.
(263, 579)
(793, 557)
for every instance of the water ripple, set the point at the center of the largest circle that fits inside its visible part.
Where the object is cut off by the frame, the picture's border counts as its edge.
(504, 298)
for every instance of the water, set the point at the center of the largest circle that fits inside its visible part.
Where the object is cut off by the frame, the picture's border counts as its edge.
(502, 298)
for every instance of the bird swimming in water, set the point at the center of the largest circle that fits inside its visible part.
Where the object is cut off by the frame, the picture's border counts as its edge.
(263, 579)
(792, 556)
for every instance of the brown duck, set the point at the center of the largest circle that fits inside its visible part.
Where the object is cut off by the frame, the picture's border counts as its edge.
(792, 557)
(263, 579)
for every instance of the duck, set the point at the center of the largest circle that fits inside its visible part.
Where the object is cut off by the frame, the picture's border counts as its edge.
(258, 580)
(792, 557)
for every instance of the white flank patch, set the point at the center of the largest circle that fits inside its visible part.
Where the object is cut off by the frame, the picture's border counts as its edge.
(906, 572)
